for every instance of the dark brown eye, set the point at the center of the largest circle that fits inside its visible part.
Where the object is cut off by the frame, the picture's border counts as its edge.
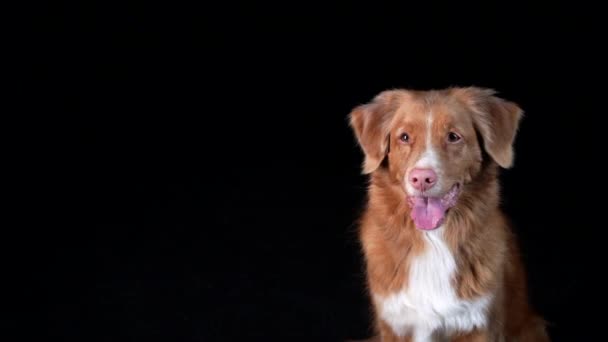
(453, 137)
(404, 137)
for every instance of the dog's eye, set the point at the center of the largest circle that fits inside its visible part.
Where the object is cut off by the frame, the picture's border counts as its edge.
(453, 137)
(404, 137)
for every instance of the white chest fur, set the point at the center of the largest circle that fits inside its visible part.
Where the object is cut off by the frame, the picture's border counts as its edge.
(429, 305)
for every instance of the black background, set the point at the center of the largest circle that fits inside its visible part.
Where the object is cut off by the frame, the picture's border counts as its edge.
(215, 184)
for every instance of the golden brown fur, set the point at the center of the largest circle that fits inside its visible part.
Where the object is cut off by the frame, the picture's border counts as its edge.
(477, 233)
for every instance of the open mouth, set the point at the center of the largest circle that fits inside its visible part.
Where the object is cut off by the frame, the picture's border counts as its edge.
(429, 212)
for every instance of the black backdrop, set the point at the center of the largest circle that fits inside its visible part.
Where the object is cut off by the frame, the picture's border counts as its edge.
(216, 182)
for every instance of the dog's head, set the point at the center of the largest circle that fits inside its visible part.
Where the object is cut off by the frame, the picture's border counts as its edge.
(432, 141)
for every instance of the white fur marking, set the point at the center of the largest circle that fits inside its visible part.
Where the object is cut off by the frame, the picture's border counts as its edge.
(428, 160)
(429, 129)
(430, 304)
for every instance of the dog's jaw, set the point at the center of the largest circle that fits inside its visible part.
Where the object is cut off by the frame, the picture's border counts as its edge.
(429, 213)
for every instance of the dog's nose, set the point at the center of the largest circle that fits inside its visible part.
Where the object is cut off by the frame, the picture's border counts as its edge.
(422, 179)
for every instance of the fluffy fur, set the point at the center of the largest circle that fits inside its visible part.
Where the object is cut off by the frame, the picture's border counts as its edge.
(464, 280)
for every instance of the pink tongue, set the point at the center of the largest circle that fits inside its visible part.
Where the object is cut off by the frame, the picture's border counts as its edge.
(427, 212)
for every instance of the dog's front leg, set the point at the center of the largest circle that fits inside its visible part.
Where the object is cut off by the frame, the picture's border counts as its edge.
(386, 334)
(477, 335)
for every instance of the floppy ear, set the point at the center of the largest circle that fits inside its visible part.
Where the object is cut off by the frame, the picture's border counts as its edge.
(496, 120)
(371, 124)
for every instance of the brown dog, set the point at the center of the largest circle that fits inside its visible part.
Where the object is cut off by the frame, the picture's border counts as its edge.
(442, 263)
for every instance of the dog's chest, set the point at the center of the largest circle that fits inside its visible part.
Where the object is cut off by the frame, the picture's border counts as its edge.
(429, 303)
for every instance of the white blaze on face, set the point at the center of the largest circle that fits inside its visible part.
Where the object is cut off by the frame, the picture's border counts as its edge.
(429, 159)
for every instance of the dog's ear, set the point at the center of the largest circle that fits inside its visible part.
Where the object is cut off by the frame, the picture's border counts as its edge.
(497, 121)
(371, 124)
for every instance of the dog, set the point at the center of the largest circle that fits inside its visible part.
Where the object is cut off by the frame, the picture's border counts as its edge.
(442, 263)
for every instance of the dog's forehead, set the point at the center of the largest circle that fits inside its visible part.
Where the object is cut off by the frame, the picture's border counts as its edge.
(413, 111)
(449, 111)
(432, 105)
